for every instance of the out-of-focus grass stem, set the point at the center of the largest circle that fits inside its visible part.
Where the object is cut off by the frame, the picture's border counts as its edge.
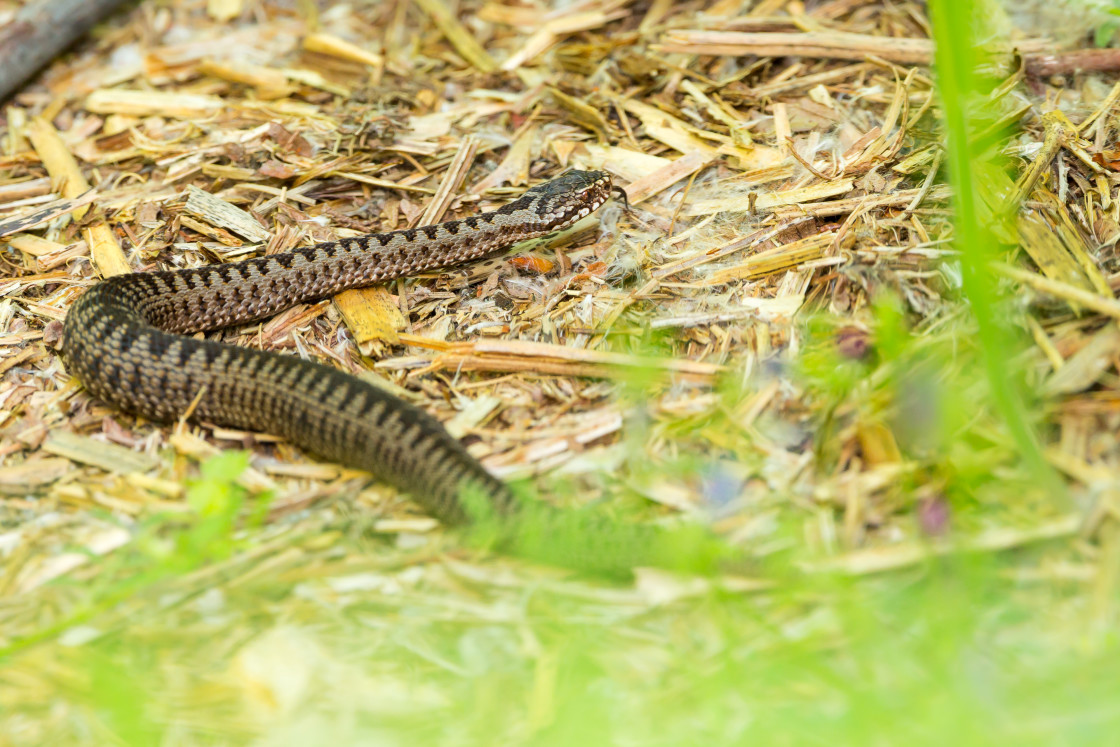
(954, 33)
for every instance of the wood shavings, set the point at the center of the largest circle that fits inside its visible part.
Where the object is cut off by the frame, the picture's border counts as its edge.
(1085, 367)
(1100, 304)
(762, 308)
(153, 103)
(66, 177)
(720, 354)
(223, 215)
(453, 180)
(560, 24)
(1046, 247)
(753, 202)
(34, 245)
(32, 475)
(99, 454)
(332, 45)
(370, 314)
(774, 260)
(510, 355)
(667, 128)
(268, 83)
(837, 45)
(45, 214)
(106, 251)
(514, 168)
(460, 38)
(849, 205)
(64, 171)
(642, 189)
(584, 114)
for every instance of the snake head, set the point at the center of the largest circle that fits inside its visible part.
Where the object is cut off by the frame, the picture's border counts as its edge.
(562, 201)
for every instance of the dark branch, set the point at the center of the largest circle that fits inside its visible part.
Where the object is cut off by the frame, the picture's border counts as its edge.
(42, 30)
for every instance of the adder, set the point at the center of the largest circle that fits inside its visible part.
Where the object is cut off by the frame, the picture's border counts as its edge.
(125, 340)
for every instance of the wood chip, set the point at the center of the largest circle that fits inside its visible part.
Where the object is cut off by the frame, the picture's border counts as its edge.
(221, 214)
(33, 475)
(1085, 367)
(66, 177)
(45, 214)
(336, 47)
(518, 355)
(106, 456)
(371, 314)
(460, 38)
(657, 181)
(771, 200)
(153, 103)
(108, 256)
(837, 45)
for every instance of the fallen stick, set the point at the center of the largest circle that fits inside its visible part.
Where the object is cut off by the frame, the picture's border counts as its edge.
(1077, 60)
(1037, 57)
(829, 44)
(40, 31)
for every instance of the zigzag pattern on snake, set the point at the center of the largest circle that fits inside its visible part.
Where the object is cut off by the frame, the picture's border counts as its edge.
(125, 341)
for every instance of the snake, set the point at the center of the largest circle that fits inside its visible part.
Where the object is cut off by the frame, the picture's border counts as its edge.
(126, 339)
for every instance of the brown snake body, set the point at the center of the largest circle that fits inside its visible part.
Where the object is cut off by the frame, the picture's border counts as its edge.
(124, 340)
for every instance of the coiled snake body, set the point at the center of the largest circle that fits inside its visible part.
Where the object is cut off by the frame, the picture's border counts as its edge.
(124, 339)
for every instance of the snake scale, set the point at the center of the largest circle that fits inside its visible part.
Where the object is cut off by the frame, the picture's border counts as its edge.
(125, 340)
